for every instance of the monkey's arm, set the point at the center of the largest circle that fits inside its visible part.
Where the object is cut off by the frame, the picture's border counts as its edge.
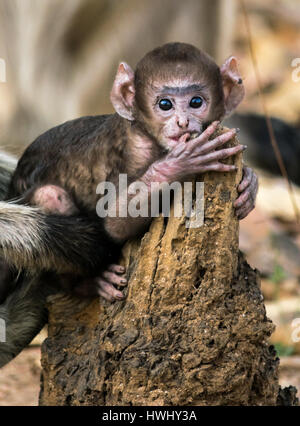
(196, 156)
(37, 241)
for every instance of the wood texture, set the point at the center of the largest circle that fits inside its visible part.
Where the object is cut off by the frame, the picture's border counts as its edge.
(192, 331)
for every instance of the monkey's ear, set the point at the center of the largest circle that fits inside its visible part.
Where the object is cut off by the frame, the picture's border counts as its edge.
(233, 87)
(122, 93)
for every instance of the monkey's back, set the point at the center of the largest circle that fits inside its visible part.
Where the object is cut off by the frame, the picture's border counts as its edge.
(75, 155)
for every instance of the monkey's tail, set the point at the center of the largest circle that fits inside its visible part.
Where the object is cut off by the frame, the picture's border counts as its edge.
(33, 240)
(22, 315)
(8, 163)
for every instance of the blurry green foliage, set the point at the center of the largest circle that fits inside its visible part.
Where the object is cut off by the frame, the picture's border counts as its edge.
(283, 350)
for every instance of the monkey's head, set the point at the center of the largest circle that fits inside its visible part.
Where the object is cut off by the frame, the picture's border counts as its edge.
(176, 89)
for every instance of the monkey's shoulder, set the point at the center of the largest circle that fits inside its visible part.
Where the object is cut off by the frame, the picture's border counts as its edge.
(71, 134)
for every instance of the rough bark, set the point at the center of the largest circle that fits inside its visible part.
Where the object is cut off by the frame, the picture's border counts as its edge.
(192, 331)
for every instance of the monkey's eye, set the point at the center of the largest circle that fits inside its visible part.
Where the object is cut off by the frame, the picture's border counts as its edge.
(165, 104)
(196, 102)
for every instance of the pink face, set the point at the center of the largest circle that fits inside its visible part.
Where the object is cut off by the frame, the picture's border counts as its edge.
(178, 108)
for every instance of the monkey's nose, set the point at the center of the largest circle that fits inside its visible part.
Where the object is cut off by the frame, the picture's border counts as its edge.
(182, 122)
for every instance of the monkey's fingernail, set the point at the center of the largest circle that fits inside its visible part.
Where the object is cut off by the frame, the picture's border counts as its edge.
(238, 130)
(244, 147)
(124, 281)
(120, 296)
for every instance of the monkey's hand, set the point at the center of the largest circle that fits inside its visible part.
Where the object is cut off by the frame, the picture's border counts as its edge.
(104, 285)
(248, 191)
(198, 155)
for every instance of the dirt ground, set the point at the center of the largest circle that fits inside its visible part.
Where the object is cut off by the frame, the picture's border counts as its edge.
(20, 380)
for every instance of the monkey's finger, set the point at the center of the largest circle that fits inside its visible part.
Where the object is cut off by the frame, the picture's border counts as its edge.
(113, 278)
(184, 137)
(118, 269)
(253, 187)
(220, 140)
(106, 296)
(246, 180)
(247, 206)
(208, 132)
(222, 154)
(108, 291)
(249, 194)
(218, 167)
(243, 211)
(242, 199)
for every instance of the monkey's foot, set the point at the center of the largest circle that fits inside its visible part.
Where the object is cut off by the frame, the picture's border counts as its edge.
(104, 285)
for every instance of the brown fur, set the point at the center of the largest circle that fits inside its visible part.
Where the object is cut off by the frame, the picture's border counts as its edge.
(179, 60)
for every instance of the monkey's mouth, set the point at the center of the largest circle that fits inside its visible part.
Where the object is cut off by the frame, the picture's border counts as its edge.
(190, 136)
(185, 137)
(193, 135)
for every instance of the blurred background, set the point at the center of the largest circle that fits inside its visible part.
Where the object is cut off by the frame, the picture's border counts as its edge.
(60, 60)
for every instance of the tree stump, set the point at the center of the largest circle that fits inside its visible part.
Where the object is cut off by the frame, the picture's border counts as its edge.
(192, 331)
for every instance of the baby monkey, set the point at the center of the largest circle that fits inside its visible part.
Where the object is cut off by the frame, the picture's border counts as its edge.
(167, 111)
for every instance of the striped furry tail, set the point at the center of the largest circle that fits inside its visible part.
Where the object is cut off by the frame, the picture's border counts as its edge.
(37, 241)
(8, 163)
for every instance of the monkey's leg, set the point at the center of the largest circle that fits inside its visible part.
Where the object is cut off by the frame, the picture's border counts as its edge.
(23, 315)
(69, 253)
(54, 199)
